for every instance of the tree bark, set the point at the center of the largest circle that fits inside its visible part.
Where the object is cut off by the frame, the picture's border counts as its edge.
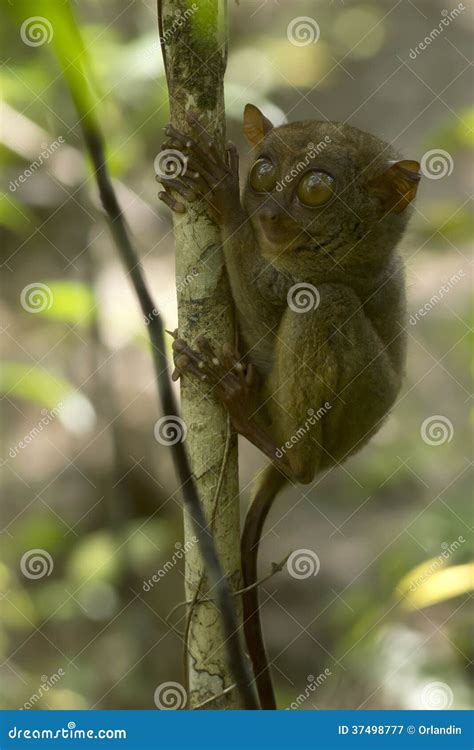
(193, 41)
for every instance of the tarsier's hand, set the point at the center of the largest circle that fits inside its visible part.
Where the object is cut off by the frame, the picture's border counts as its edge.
(203, 172)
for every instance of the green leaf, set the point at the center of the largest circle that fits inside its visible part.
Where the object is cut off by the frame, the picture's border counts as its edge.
(95, 558)
(425, 585)
(71, 301)
(456, 132)
(33, 384)
(15, 216)
(50, 23)
(39, 386)
(446, 217)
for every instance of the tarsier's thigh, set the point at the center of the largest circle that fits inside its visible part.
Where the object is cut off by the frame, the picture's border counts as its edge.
(331, 384)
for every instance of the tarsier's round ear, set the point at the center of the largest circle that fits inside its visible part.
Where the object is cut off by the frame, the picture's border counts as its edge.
(397, 185)
(256, 125)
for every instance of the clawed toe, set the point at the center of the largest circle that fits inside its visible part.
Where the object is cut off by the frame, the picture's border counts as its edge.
(228, 377)
(172, 203)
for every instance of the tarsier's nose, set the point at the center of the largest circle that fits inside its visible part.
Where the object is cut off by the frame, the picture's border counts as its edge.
(269, 214)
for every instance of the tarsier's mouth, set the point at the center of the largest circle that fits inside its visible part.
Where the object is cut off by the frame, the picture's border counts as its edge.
(274, 232)
(282, 235)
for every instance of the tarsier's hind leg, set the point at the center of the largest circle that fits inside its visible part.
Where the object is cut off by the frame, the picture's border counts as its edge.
(302, 390)
(333, 382)
(300, 385)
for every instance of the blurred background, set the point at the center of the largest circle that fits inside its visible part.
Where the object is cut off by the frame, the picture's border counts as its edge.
(89, 509)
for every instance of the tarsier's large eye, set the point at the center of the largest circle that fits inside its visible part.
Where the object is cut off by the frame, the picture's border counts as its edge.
(315, 188)
(263, 176)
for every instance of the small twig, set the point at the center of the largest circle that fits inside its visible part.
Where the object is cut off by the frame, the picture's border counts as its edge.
(276, 568)
(214, 697)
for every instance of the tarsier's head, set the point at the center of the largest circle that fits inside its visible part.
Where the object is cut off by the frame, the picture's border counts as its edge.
(325, 195)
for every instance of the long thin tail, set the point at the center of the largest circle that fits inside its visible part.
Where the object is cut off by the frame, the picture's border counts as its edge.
(273, 480)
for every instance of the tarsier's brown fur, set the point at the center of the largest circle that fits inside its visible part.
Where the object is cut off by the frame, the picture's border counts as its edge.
(341, 356)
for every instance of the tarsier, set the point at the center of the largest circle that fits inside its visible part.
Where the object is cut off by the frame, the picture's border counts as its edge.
(323, 222)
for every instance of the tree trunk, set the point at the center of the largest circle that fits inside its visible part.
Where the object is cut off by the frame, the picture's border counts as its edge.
(193, 41)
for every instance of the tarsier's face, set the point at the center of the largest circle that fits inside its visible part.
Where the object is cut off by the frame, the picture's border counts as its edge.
(317, 191)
